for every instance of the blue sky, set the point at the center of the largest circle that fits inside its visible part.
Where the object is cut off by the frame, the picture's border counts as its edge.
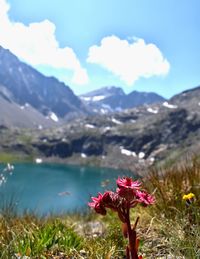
(144, 45)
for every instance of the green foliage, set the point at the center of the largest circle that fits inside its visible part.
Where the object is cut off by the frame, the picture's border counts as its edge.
(168, 229)
(6, 157)
(170, 184)
(26, 237)
(176, 221)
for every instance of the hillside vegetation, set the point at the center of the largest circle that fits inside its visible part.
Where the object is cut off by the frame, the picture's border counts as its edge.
(168, 229)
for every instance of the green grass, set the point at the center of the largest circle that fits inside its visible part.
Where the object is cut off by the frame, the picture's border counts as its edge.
(69, 235)
(8, 157)
(176, 222)
(37, 238)
(168, 229)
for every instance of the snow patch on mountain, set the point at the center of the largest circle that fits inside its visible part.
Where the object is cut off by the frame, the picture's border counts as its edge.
(90, 126)
(127, 152)
(170, 106)
(151, 110)
(53, 116)
(116, 121)
(93, 98)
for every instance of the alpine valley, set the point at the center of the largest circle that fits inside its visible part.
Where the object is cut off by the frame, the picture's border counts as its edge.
(41, 117)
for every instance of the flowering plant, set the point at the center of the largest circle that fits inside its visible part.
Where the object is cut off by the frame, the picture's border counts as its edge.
(128, 195)
(188, 197)
(7, 170)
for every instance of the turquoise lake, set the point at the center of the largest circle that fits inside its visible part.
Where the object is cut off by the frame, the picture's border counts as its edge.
(50, 188)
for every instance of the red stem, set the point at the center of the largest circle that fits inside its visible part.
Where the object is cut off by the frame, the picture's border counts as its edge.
(131, 237)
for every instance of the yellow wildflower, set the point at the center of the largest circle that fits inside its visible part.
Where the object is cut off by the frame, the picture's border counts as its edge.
(188, 196)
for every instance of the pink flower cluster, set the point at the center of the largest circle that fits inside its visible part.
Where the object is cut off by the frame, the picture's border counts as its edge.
(128, 194)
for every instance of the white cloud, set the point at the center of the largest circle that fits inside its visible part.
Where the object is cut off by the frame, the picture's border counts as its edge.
(37, 45)
(129, 60)
(80, 76)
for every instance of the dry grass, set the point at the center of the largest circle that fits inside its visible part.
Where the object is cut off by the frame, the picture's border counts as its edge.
(168, 229)
(175, 224)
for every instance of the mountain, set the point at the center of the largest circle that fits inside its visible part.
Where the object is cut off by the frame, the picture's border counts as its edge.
(14, 115)
(110, 99)
(21, 84)
(136, 98)
(134, 130)
(106, 92)
(130, 139)
(104, 100)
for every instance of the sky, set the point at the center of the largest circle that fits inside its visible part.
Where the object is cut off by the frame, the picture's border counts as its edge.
(143, 45)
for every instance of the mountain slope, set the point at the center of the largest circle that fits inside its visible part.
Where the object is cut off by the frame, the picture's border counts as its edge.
(110, 99)
(23, 84)
(129, 139)
(136, 98)
(24, 116)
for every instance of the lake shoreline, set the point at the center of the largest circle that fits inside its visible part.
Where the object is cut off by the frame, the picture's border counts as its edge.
(126, 163)
(50, 187)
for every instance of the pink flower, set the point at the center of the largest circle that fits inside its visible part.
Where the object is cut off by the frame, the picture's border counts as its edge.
(127, 188)
(127, 196)
(127, 193)
(111, 200)
(98, 205)
(127, 182)
(144, 198)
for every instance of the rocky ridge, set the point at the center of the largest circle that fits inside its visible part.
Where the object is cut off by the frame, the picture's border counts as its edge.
(128, 139)
(113, 99)
(21, 84)
(31, 100)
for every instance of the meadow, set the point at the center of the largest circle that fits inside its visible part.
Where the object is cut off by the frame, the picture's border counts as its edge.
(170, 228)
